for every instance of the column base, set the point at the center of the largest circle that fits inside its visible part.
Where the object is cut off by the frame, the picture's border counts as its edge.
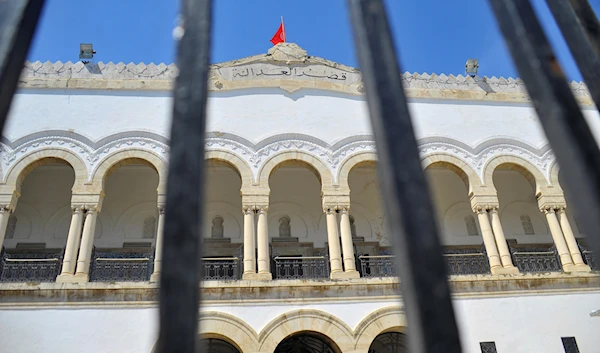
(264, 276)
(80, 278)
(249, 276)
(577, 268)
(345, 275)
(155, 277)
(65, 278)
(504, 270)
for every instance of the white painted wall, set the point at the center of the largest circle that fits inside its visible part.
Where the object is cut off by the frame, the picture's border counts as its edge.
(256, 114)
(519, 324)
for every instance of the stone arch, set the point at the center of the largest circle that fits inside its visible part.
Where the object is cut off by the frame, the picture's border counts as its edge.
(351, 162)
(26, 164)
(458, 166)
(125, 157)
(391, 318)
(554, 180)
(306, 320)
(525, 168)
(237, 163)
(318, 167)
(214, 324)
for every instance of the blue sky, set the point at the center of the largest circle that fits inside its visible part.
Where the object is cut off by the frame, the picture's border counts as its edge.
(434, 36)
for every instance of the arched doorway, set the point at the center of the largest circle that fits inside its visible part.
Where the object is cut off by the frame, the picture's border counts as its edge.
(389, 342)
(215, 345)
(305, 343)
(298, 244)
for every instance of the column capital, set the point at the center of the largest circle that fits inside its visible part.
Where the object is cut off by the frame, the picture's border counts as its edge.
(548, 209)
(479, 208)
(262, 209)
(75, 209)
(6, 209)
(248, 209)
(343, 208)
(329, 209)
(161, 209)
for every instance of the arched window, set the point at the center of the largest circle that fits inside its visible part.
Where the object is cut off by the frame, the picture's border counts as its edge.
(304, 343)
(285, 230)
(352, 227)
(213, 345)
(527, 225)
(217, 227)
(389, 342)
(149, 227)
(471, 226)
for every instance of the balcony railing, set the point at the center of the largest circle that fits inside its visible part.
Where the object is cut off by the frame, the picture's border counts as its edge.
(300, 267)
(121, 266)
(590, 260)
(377, 265)
(467, 263)
(536, 259)
(220, 268)
(31, 266)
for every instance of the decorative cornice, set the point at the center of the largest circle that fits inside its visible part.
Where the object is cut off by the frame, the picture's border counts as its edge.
(286, 66)
(92, 153)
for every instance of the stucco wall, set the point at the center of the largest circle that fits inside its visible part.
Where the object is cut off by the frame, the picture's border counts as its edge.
(526, 324)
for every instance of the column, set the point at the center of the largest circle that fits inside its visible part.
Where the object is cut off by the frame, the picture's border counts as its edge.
(505, 257)
(4, 216)
(73, 240)
(264, 271)
(488, 239)
(249, 247)
(570, 239)
(333, 240)
(559, 239)
(158, 246)
(347, 244)
(87, 244)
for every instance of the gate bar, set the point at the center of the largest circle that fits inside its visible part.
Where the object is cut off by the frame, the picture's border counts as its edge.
(18, 21)
(565, 127)
(431, 323)
(578, 24)
(180, 279)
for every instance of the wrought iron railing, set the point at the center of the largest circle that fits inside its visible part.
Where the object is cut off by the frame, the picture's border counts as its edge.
(590, 260)
(536, 259)
(300, 267)
(31, 266)
(220, 268)
(121, 266)
(377, 265)
(468, 263)
(403, 183)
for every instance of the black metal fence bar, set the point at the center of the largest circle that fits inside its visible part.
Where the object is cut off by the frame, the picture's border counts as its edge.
(432, 328)
(18, 20)
(579, 25)
(565, 127)
(179, 284)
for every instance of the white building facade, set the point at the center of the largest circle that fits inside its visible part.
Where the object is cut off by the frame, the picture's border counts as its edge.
(296, 246)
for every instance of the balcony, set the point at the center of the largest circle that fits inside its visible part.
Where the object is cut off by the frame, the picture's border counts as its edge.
(121, 265)
(220, 268)
(535, 258)
(30, 265)
(300, 267)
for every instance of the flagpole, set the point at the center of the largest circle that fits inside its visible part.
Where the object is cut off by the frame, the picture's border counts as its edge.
(283, 27)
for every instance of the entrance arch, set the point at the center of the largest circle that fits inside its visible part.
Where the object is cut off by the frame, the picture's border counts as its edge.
(306, 342)
(389, 342)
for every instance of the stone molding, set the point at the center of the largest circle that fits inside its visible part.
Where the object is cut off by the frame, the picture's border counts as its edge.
(250, 159)
(285, 66)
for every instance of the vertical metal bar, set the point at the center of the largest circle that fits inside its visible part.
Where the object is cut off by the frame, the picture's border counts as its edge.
(18, 21)
(565, 127)
(578, 32)
(179, 286)
(432, 327)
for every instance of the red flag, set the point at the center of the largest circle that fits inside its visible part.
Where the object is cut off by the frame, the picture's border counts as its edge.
(279, 36)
